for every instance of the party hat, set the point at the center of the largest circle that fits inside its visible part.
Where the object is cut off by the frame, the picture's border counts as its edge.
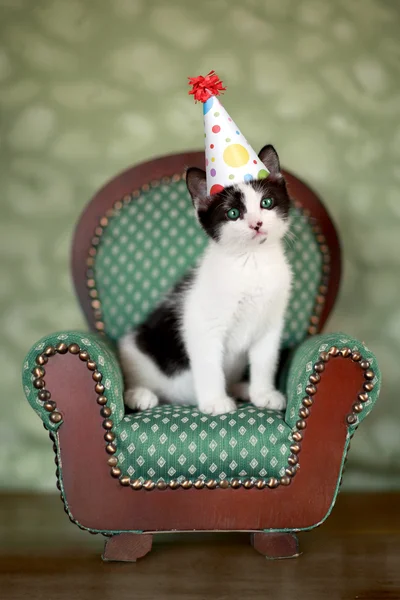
(229, 157)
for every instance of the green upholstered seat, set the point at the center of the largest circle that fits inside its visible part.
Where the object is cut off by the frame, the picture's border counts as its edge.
(179, 442)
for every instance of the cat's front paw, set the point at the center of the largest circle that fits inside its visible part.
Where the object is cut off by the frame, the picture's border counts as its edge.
(269, 399)
(140, 398)
(217, 406)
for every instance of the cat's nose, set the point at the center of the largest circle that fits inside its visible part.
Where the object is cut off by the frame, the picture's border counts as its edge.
(257, 226)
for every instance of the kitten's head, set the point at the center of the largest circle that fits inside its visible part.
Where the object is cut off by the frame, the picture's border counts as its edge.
(244, 214)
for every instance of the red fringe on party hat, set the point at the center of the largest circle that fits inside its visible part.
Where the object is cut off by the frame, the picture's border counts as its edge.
(205, 87)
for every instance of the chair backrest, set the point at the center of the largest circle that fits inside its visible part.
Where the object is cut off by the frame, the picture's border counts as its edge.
(139, 235)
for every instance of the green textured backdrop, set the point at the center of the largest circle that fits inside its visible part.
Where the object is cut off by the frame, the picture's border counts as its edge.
(89, 88)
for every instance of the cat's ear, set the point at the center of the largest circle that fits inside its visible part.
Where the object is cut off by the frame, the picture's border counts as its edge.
(269, 156)
(197, 186)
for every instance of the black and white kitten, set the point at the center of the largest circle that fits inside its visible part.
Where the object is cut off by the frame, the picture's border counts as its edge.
(225, 314)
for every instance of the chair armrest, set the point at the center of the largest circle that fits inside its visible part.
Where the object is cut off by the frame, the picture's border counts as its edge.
(320, 349)
(101, 360)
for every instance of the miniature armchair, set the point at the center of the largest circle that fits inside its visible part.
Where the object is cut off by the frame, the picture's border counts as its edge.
(129, 475)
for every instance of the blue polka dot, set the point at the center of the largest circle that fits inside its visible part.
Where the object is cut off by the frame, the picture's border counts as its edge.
(248, 177)
(207, 105)
(238, 132)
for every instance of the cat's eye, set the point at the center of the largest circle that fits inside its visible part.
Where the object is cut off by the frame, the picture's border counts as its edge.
(267, 203)
(233, 214)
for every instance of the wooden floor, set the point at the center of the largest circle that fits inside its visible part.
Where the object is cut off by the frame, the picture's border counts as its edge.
(354, 555)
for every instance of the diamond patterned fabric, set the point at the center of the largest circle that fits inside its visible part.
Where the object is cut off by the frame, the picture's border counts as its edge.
(179, 442)
(152, 241)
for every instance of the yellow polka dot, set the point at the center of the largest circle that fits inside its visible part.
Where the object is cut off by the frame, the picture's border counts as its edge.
(213, 159)
(236, 155)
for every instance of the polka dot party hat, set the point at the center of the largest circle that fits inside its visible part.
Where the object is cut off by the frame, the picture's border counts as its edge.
(229, 157)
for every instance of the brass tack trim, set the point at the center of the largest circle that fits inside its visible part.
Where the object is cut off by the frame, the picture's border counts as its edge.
(73, 348)
(50, 406)
(368, 386)
(136, 484)
(112, 461)
(62, 348)
(161, 485)
(297, 436)
(293, 459)
(311, 390)
(109, 436)
(199, 484)
(84, 355)
(236, 483)
(295, 448)
(301, 424)
(224, 483)
(260, 484)
(285, 480)
(315, 378)
(106, 412)
(91, 365)
(362, 397)
(319, 367)
(39, 383)
(50, 351)
(345, 352)
(351, 419)
(304, 412)
(211, 484)
(369, 374)
(108, 424)
(55, 417)
(41, 359)
(248, 484)
(333, 351)
(307, 402)
(102, 400)
(38, 372)
(111, 449)
(149, 485)
(97, 376)
(324, 356)
(174, 484)
(291, 471)
(364, 364)
(272, 482)
(186, 484)
(115, 472)
(357, 407)
(95, 304)
(99, 387)
(356, 356)
(125, 481)
(44, 395)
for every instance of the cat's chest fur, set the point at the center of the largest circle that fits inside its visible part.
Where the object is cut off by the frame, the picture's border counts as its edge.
(239, 295)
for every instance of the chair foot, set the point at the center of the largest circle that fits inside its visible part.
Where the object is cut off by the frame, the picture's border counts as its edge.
(127, 547)
(276, 545)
